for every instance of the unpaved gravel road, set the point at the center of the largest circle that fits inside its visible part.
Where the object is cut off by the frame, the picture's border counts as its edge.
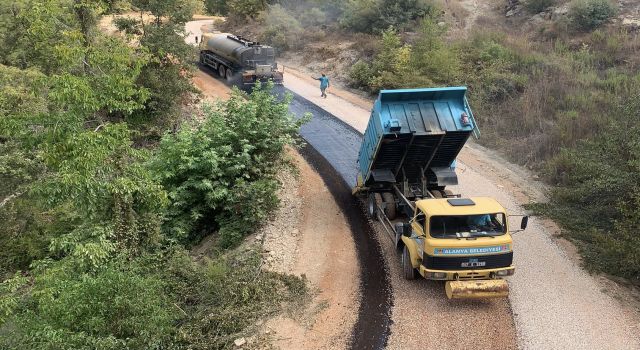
(555, 304)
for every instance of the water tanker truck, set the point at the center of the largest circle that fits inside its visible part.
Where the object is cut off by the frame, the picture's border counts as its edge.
(236, 57)
(406, 161)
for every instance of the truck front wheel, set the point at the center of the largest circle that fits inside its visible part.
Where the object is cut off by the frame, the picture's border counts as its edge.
(407, 267)
(374, 201)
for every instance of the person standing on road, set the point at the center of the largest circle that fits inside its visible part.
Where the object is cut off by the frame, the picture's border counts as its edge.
(324, 84)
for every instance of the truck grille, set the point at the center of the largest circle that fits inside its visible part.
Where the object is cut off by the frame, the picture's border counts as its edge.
(482, 262)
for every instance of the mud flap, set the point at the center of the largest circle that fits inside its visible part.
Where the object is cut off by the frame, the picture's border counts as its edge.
(477, 289)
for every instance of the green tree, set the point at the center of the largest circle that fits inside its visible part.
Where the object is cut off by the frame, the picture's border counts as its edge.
(246, 8)
(167, 75)
(432, 59)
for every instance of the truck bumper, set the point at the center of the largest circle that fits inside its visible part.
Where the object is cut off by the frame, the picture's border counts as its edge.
(463, 275)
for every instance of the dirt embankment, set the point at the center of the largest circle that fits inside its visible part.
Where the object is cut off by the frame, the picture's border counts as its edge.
(311, 237)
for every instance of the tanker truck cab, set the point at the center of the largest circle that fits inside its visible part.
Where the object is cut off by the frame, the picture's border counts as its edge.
(462, 240)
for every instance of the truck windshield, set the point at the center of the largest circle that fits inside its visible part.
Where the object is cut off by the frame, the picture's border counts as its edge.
(462, 226)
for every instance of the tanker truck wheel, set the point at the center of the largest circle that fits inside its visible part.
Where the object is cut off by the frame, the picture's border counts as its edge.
(389, 205)
(229, 75)
(407, 269)
(221, 70)
(374, 201)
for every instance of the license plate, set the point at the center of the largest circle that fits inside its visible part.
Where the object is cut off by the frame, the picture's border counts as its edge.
(473, 264)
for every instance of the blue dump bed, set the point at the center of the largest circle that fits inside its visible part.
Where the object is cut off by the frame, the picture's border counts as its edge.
(414, 134)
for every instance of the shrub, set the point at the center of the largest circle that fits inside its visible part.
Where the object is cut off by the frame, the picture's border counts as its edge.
(313, 17)
(216, 7)
(282, 30)
(360, 74)
(220, 175)
(589, 14)
(114, 308)
(374, 16)
(128, 25)
(536, 6)
(597, 200)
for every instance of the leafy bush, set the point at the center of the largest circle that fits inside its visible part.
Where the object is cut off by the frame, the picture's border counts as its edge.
(536, 6)
(245, 8)
(374, 16)
(360, 75)
(589, 14)
(220, 175)
(114, 308)
(282, 30)
(427, 62)
(216, 7)
(128, 25)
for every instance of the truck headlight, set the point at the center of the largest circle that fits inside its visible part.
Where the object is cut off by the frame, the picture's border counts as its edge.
(505, 272)
(436, 275)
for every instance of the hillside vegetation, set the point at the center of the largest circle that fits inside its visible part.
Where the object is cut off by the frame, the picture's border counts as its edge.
(104, 186)
(559, 96)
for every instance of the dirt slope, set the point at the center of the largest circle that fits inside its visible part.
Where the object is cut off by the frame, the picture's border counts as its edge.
(322, 249)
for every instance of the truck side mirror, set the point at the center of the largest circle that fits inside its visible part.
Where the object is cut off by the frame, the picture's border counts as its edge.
(524, 223)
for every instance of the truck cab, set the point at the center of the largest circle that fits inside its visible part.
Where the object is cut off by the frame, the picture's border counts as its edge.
(459, 239)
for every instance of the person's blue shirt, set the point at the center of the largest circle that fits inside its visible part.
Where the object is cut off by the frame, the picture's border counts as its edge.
(324, 82)
(480, 220)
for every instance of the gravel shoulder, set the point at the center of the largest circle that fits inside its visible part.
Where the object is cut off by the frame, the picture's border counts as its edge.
(310, 236)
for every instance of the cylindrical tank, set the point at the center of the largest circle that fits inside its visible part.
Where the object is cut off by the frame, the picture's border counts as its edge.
(227, 48)
(239, 51)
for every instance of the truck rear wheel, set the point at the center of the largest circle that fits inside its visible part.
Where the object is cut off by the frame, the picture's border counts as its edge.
(374, 201)
(407, 269)
(229, 75)
(221, 71)
(389, 205)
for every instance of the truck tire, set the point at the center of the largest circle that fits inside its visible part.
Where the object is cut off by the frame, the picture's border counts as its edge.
(202, 59)
(374, 201)
(407, 269)
(390, 205)
(221, 71)
(229, 75)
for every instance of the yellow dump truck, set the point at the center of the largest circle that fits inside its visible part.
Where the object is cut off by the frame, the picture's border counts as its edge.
(406, 160)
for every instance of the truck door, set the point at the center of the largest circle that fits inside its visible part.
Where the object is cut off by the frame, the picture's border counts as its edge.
(418, 228)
